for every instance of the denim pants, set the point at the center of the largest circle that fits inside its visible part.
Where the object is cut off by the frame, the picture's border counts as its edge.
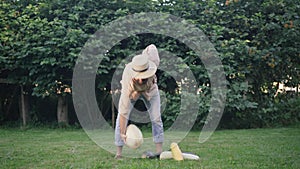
(153, 108)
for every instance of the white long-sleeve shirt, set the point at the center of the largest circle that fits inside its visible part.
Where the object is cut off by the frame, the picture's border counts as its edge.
(132, 91)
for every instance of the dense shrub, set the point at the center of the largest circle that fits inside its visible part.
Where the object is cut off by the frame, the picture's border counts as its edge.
(257, 41)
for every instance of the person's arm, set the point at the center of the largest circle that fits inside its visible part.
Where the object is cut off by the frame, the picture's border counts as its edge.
(123, 122)
(124, 102)
(152, 52)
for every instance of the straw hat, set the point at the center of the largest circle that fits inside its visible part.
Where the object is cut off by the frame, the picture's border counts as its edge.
(141, 67)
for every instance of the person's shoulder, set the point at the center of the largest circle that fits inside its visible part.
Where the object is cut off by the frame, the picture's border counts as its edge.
(128, 67)
(127, 72)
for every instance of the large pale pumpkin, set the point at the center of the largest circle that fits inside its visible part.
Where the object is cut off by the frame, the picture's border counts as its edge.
(134, 136)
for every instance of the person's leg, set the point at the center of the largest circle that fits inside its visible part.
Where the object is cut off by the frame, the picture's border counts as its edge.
(158, 147)
(118, 140)
(153, 107)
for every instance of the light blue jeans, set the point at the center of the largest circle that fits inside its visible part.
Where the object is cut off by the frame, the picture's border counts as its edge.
(153, 108)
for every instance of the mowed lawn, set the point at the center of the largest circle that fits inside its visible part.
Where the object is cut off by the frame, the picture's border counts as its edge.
(71, 148)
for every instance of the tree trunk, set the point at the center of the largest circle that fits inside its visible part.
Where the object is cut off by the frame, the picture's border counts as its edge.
(24, 107)
(112, 113)
(62, 110)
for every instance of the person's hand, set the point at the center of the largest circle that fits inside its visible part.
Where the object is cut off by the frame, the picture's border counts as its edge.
(135, 95)
(123, 137)
(137, 81)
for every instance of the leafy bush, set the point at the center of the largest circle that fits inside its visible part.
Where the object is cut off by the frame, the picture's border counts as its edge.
(282, 112)
(257, 42)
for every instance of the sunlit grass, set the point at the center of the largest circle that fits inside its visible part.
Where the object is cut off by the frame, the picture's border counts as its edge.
(59, 148)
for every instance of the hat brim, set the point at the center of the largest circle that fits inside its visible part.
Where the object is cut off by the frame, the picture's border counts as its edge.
(146, 74)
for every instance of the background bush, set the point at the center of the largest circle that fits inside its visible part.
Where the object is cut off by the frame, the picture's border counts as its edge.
(258, 43)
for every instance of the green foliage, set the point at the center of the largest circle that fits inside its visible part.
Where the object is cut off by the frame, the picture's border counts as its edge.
(172, 110)
(258, 43)
(282, 112)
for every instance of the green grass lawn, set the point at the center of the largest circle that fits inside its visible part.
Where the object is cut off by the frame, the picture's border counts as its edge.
(67, 148)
